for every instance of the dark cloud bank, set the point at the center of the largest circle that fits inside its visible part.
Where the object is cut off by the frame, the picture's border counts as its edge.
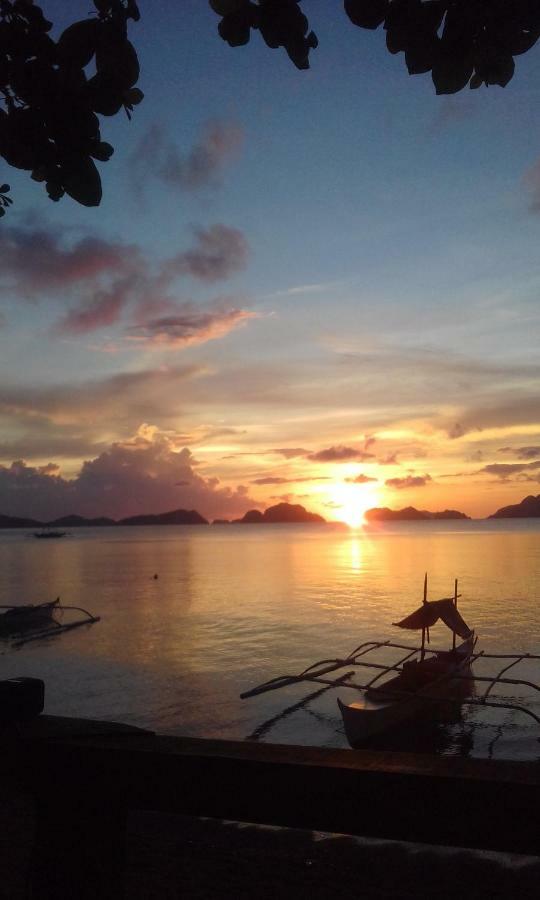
(141, 476)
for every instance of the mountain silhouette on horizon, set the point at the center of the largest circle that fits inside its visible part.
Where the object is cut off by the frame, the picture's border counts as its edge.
(410, 513)
(529, 508)
(282, 513)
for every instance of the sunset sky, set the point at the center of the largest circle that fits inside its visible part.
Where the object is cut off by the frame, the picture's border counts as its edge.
(319, 287)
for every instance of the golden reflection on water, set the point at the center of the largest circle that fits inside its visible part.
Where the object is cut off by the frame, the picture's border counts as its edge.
(233, 606)
(355, 549)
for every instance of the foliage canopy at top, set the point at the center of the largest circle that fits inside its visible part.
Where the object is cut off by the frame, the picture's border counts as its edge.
(48, 118)
(53, 91)
(459, 41)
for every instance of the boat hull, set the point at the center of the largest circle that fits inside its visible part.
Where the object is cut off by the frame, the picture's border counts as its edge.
(426, 689)
(19, 619)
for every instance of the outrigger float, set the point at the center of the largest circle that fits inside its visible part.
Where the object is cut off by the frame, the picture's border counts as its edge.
(30, 622)
(424, 682)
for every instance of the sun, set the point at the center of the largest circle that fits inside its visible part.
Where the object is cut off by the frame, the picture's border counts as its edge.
(352, 500)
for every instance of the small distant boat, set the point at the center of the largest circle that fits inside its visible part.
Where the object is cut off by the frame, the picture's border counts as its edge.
(49, 534)
(18, 619)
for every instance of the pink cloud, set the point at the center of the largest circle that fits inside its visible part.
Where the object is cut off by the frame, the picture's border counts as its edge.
(190, 326)
(36, 260)
(109, 279)
(103, 309)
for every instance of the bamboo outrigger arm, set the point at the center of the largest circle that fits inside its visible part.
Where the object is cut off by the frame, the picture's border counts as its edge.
(315, 674)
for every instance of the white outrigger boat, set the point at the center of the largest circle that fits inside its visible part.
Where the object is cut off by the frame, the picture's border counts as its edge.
(424, 682)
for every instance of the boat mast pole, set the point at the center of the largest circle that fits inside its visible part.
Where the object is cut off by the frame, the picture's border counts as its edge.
(455, 604)
(423, 649)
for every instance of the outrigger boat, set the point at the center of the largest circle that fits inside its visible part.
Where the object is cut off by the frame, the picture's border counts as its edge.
(17, 619)
(29, 622)
(423, 682)
(424, 685)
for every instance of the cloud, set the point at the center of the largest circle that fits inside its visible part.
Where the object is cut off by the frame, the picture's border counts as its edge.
(274, 479)
(521, 452)
(339, 453)
(360, 479)
(389, 460)
(35, 260)
(118, 401)
(509, 407)
(218, 252)
(289, 452)
(108, 280)
(103, 309)
(504, 471)
(189, 326)
(271, 480)
(452, 110)
(158, 156)
(145, 474)
(410, 481)
(456, 431)
(531, 180)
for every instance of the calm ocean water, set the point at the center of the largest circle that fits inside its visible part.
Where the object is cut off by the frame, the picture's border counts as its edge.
(236, 605)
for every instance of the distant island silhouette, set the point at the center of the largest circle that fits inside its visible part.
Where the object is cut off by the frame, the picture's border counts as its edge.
(529, 508)
(174, 517)
(281, 513)
(409, 513)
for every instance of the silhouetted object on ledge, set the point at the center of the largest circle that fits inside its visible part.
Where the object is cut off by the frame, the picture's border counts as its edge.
(409, 513)
(459, 41)
(21, 624)
(48, 122)
(21, 699)
(529, 508)
(280, 513)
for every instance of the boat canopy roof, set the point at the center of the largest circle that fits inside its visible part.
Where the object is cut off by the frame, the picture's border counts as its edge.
(433, 610)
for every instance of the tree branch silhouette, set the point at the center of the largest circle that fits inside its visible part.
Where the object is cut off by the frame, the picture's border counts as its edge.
(459, 41)
(49, 105)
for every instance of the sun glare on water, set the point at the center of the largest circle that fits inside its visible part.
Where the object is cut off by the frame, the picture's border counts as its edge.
(352, 500)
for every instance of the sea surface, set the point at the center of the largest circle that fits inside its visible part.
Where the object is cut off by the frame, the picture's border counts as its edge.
(233, 606)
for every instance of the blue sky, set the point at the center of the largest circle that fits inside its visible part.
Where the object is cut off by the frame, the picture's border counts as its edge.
(376, 289)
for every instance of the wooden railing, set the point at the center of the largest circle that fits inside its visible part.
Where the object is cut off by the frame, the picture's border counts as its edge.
(85, 777)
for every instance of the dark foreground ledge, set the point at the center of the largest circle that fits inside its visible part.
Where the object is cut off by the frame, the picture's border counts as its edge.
(86, 776)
